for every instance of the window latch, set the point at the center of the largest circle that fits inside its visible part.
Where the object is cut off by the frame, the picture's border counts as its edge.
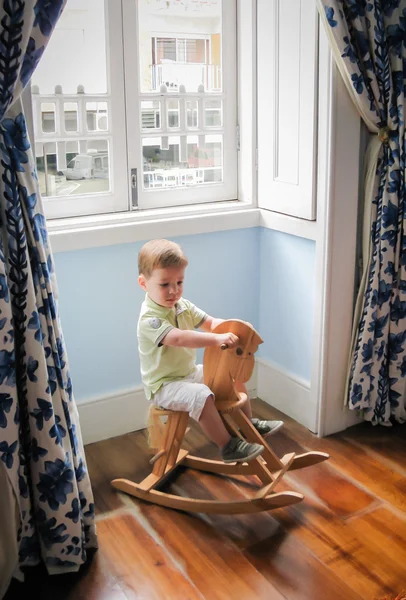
(134, 188)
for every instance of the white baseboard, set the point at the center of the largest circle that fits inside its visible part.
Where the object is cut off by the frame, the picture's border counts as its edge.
(341, 419)
(287, 392)
(109, 416)
(113, 415)
(125, 411)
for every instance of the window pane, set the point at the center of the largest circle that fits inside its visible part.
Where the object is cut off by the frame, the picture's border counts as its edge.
(48, 118)
(213, 113)
(195, 51)
(181, 50)
(96, 116)
(150, 114)
(190, 58)
(191, 114)
(70, 110)
(166, 48)
(173, 113)
(207, 158)
(182, 162)
(76, 51)
(70, 94)
(71, 168)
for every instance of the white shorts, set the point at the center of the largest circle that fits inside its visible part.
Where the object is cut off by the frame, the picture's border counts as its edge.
(188, 394)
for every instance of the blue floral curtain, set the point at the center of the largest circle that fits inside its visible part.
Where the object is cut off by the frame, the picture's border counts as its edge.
(40, 441)
(369, 44)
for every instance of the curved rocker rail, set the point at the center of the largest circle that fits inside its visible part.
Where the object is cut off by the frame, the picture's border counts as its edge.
(300, 461)
(308, 459)
(251, 505)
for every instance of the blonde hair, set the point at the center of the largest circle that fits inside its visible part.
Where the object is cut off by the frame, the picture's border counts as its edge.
(160, 254)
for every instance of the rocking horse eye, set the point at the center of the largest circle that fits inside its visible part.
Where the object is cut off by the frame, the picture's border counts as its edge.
(239, 351)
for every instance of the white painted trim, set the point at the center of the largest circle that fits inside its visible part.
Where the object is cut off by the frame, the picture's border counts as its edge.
(325, 143)
(138, 230)
(338, 177)
(287, 224)
(287, 392)
(294, 24)
(111, 220)
(247, 99)
(124, 228)
(112, 415)
(116, 414)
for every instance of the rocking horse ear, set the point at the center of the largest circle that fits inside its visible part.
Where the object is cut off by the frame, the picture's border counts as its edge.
(253, 339)
(257, 339)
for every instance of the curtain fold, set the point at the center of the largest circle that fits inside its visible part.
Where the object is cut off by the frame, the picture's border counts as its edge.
(368, 40)
(40, 442)
(9, 525)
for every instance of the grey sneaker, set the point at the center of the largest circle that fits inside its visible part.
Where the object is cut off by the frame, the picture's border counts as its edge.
(266, 427)
(238, 450)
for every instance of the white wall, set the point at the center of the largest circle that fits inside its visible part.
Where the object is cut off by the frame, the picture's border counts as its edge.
(76, 52)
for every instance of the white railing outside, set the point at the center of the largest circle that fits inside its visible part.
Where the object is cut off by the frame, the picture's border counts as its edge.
(59, 100)
(163, 174)
(168, 178)
(174, 74)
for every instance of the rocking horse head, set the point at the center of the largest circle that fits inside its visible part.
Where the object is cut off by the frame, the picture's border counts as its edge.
(224, 367)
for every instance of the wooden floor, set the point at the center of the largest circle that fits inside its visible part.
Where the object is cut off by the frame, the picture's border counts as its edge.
(346, 540)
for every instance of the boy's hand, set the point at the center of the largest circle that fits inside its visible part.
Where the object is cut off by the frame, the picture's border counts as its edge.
(227, 339)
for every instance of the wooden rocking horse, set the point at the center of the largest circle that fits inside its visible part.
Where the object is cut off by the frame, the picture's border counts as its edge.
(223, 369)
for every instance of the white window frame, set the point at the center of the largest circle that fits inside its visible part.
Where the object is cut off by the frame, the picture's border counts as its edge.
(125, 134)
(129, 227)
(98, 230)
(117, 199)
(170, 197)
(181, 36)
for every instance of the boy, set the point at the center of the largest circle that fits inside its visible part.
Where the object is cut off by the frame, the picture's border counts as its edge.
(167, 341)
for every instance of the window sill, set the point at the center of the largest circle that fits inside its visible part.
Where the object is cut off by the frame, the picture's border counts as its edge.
(126, 228)
(287, 224)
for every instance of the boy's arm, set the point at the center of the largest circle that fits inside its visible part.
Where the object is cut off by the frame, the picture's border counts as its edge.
(186, 338)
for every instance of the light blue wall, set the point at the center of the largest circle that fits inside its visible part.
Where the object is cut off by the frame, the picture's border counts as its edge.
(286, 300)
(99, 301)
(259, 275)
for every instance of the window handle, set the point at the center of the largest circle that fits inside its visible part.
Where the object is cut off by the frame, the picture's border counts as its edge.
(134, 188)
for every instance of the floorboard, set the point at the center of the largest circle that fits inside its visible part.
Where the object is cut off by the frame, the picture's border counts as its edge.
(346, 540)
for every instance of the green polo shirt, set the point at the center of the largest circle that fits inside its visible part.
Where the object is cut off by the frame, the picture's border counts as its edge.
(161, 364)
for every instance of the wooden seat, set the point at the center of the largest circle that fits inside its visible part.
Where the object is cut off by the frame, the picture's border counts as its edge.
(223, 371)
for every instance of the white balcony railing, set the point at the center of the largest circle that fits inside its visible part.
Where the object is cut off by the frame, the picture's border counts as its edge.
(174, 74)
(67, 125)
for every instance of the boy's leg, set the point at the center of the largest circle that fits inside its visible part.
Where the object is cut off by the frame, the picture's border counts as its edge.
(211, 418)
(197, 399)
(212, 424)
(233, 449)
(262, 426)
